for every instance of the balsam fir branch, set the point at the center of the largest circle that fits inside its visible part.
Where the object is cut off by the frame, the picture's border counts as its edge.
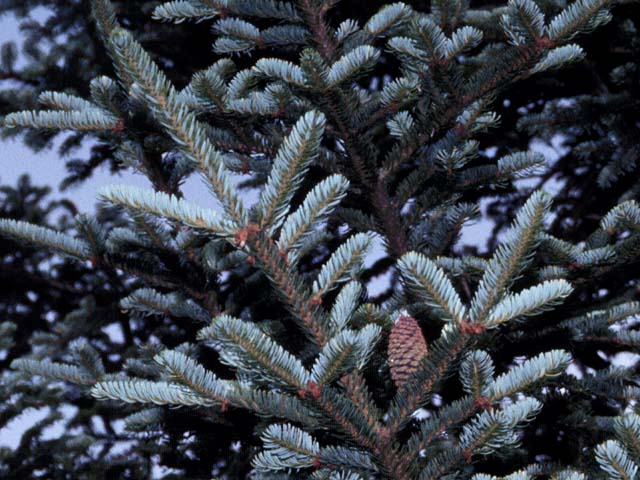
(166, 206)
(46, 237)
(298, 151)
(619, 458)
(260, 313)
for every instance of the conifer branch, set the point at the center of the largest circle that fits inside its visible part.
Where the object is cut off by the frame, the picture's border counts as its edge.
(286, 447)
(511, 257)
(93, 119)
(317, 205)
(295, 156)
(169, 206)
(580, 16)
(548, 364)
(152, 85)
(614, 460)
(432, 285)
(292, 289)
(46, 237)
(193, 376)
(247, 348)
(180, 11)
(104, 15)
(147, 391)
(343, 264)
(335, 398)
(529, 302)
(54, 371)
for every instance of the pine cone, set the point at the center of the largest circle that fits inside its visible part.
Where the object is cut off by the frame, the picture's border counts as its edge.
(407, 347)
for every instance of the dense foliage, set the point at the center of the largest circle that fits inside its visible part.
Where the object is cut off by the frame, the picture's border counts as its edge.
(370, 136)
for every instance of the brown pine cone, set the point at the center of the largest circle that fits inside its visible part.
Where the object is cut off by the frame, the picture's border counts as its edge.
(407, 347)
